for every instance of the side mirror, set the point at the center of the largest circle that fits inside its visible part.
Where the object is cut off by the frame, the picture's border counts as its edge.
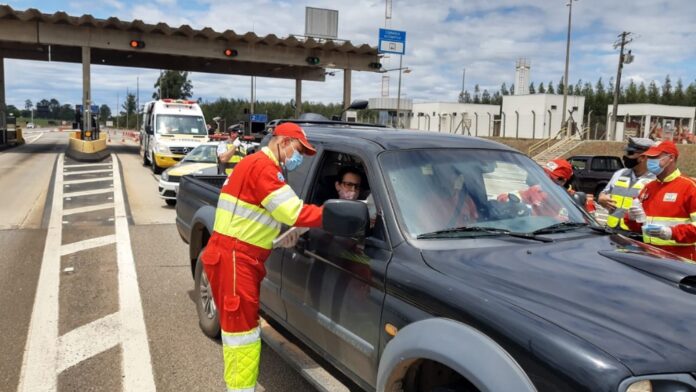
(345, 218)
(358, 104)
(580, 198)
(148, 129)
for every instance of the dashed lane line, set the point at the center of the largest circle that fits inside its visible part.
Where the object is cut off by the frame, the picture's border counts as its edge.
(73, 173)
(86, 181)
(46, 353)
(89, 192)
(91, 243)
(80, 210)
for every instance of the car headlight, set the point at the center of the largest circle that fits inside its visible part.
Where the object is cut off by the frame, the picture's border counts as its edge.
(163, 149)
(165, 176)
(660, 383)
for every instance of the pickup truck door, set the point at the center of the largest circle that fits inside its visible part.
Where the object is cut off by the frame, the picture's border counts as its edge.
(333, 288)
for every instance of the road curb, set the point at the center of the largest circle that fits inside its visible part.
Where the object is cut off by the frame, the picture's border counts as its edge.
(311, 371)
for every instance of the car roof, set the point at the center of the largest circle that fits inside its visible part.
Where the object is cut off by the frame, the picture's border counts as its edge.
(400, 139)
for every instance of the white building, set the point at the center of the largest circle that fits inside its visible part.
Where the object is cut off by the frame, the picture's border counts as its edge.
(639, 119)
(453, 117)
(538, 116)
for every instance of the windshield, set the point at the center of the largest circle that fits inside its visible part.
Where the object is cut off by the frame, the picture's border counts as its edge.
(441, 189)
(177, 124)
(205, 153)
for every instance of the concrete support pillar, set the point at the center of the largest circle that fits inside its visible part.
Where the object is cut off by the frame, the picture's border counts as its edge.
(298, 98)
(646, 130)
(86, 94)
(347, 73)
(3, 106)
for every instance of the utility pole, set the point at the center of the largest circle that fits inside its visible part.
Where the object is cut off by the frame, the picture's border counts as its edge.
(251, 106)
(624, 39)
(137, 103)
(117, 110)
(127, 107)
(567, 61)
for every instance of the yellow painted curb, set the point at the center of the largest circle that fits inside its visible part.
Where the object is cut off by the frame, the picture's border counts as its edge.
(87, 146)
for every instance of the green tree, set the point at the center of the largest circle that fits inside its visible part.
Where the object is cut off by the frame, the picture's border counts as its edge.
(550, 89)
(691, 94)
(504, 90)
(542, 89)
(679, 98)
(67, 112)
(561, 86)
(173, 84)
(653, 93)
(485, 97)
(666, 97)
(532, 90)
(578, 87)
(631, 93)
(54, 108)
(642, 93)
(512, 89)
(104, 113)
(13, 111)
(497, 98)
(477, 94)
(128, 115)
(600, 98)
(28, 104)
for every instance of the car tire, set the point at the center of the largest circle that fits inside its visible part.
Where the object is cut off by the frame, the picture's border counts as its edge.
(208, 318)
(170, 202)
(145, 160)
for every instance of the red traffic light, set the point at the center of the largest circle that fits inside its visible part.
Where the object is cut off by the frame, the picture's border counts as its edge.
(137, 44)
(230, 52)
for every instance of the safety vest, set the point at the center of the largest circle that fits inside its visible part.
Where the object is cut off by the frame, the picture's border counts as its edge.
(255, 201)
(623, 194)
(240, 152)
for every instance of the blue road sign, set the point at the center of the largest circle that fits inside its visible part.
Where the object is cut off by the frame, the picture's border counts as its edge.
(261, 117)
(392, 41)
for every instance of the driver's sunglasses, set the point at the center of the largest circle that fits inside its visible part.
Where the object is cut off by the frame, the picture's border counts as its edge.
(350, 185)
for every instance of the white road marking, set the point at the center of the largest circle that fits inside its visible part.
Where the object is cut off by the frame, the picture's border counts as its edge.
(46, 354)
(137, 363)
(39, 364)
(80, 210)
(35, 139)
(87, 165)
(87, 180)
(87, 341)
(88, 193)
(78, 246)
(72, 173)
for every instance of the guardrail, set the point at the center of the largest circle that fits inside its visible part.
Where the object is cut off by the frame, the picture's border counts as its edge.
(544, 144)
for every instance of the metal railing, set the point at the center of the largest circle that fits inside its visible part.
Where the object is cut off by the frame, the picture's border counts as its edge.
(544, 144)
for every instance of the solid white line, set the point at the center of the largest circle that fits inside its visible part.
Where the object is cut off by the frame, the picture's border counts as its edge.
(72, 173)
(88, 193)
(78, 246)
(39, 363)
(87, 341)
(71, 182)
(137, 363)
(80, 210)
(36, 138)
(87, 165)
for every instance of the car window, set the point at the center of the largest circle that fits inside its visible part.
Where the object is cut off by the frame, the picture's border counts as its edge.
(578, 164)
(615, 164)
(297, 177)
(599, 164)
(205, 153)
(440, 189)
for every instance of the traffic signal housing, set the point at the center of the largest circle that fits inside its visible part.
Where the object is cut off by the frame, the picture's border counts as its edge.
(137, 44)
(313, 60)
(230, 52)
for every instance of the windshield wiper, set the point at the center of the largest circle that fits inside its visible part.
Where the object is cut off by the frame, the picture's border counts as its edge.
(561, 226)
(480, 229)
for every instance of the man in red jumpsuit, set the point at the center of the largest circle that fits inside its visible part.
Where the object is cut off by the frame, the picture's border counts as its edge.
(666, 214)
(254, 202)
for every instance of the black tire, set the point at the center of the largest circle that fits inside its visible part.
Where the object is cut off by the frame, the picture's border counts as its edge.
(170, 202)
(145, 160)
(205, 306)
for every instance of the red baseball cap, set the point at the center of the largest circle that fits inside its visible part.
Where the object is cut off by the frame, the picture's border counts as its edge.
(664, 146)
(560, 169)
(296, 132)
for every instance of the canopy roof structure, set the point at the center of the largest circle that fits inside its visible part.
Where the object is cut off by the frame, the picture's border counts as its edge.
(33, 35)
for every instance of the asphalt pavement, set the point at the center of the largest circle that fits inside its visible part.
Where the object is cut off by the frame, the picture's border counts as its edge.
(95, 283)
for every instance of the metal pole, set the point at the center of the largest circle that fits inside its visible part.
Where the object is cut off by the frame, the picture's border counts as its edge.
(298, 97)
(533, 124)
(137, 103)
(116, 111)
(127, 117)
(567, 61)
(86, 98)
(3, 106)
(398, 95)
(617, 87)
(251, 105)
(346, 88)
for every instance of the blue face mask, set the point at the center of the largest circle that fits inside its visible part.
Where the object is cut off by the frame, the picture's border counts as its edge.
(294, 161)
(654, 166)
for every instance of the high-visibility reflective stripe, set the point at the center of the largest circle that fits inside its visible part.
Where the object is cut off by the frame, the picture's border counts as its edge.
(666, 221)
(252, 389)
(241, 338)
(693, 216)
(278, 197)
(247, 211)
(245, 230)
(669, 222)
(623, 194)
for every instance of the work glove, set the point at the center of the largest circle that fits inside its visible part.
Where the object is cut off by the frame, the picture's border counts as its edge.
(662, 232)
(636, 213)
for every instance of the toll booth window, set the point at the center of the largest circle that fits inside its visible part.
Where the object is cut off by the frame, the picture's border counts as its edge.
(176, 124)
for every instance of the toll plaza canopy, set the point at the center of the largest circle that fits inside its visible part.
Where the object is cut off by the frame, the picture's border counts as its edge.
(33, 35)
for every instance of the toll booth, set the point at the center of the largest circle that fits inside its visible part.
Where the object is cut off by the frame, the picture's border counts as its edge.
(254, 126)
(8, 135)
(87, 134)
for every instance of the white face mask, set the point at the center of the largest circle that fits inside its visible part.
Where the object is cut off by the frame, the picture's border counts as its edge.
(347, 195)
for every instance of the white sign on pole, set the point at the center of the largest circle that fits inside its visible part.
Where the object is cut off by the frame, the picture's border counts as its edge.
(321, 23)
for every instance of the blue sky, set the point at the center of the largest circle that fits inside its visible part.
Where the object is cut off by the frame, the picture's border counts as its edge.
(483, 36)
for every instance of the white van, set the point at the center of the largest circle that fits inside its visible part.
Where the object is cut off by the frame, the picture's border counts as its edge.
(171, 128)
